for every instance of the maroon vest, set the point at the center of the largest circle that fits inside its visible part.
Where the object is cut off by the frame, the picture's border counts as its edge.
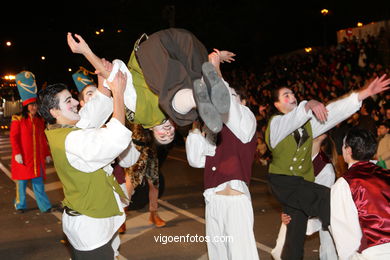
(319, 162)
(370, 188)
(232, 160)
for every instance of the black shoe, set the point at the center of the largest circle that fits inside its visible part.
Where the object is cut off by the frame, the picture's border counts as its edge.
(19, 211)
(219, 94)
(206, 109)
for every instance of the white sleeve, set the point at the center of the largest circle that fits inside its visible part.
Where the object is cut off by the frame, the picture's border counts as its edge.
(96, 111)
(197, 148)
(327, 176)
(130, 95)
(91, 149)
(344, 220)
(338, 111)
(240, 119)
(129, 156)
(283, 125)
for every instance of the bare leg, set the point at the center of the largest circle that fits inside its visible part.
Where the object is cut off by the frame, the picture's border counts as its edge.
(153, 206)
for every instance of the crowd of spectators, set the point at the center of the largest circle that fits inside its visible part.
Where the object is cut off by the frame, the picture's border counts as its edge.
(323, 74)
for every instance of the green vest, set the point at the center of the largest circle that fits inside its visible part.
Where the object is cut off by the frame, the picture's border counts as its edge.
(147, 110)
(288, 159)
(91, 193)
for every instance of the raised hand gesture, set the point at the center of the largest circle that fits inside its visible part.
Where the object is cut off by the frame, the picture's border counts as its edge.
(376, 86)
(80, 47)
(225, 56)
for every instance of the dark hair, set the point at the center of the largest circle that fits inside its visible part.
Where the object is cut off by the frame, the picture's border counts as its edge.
(275, 94)
(47, 99)
(241, 93)
(362, 143)
(369, 105)
(25, 111)
(275, 98)
(328, 146)
(385, 123)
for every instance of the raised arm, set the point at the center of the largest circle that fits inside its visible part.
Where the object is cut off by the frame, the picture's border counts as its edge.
(376, 86)
(341, 109)
(117, 87)
(82, 47)
(108, 67)
(217, 57)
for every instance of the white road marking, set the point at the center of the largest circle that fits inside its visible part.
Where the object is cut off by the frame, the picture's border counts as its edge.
(53, 186)
(140, 224)
(202, 220)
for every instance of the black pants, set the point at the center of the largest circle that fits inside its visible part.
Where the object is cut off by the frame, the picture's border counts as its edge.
(300, 199)
(171, 60)
(105, 252)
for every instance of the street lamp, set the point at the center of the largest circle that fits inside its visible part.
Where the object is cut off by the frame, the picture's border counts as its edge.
(43, 58)
(325, 13)
(308, 49)
(8, 43)
(9, 77)
(359, 24)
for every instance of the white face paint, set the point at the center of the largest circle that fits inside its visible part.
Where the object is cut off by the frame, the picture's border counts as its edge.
(287, 101)
(164, 133)
(68, 105)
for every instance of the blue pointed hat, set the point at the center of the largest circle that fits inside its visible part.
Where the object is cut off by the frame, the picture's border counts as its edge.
(82, 79)
(27, 87)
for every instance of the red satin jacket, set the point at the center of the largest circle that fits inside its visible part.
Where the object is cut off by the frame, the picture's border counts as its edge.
(370, 188)
(28, 139)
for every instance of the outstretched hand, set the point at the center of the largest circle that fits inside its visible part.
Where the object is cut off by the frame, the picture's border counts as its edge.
(225, 56)
(319, 110)
(376, 86)
(80, 47)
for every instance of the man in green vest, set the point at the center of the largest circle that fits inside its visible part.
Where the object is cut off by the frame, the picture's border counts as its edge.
(164, 85)
(92, 205)
(289, 136)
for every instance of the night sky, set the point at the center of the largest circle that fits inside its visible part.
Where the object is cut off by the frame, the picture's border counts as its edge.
(254, 30)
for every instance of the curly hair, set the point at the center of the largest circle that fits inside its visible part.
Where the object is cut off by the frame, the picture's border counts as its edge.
(147, 164)
(47, 99)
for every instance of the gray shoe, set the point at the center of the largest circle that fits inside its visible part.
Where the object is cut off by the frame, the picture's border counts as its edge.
(206, 109)
(218, 91)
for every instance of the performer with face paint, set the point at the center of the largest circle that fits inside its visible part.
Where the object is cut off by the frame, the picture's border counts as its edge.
(227, 160)
(161, 82)
(82, 157)
(289, 137)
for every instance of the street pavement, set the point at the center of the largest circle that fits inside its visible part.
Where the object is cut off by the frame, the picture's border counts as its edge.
(35, 235)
